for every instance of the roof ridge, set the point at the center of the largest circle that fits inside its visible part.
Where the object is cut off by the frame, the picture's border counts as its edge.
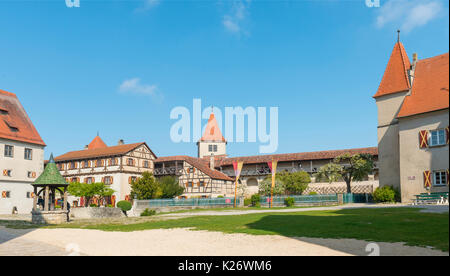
(7, 93)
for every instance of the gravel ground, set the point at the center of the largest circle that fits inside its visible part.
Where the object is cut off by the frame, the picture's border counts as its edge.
(181, 242)
(184, 242)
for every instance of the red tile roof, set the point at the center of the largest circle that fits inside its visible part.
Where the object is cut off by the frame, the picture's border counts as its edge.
(198, 163)
(303, 156)
(212, 130)
(98, 153)
(14, 121)
(395, 78)
(430, 87)
(97, 143)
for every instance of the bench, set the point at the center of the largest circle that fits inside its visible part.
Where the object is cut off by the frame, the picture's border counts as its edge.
(432, 198)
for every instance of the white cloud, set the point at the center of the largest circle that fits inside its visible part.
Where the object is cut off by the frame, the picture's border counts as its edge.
(408, 14)
(134, 86)
(233, 21)
(148, 4)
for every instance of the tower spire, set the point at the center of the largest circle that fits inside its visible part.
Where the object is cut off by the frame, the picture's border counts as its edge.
(398, 35)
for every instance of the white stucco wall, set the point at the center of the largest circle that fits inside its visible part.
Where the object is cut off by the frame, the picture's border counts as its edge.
(18, 184)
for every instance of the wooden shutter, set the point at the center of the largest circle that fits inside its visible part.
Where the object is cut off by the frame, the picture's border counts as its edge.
(447, 178)
(423, 139)
(187, 185)
(103, 180)
(447, 135)
(129, 180)
(427, 179)
(111, 179)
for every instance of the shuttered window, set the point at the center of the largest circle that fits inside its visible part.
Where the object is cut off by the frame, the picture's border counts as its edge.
(437, 137)
(439, 178)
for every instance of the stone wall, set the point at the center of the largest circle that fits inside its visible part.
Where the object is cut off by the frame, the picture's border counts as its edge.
(48, 217)
(96, 212)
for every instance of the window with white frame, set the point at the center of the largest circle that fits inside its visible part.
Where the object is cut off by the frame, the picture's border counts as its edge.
(9, 151)
(437, 137)
(439, 178)
(28, 154)
(107, 180)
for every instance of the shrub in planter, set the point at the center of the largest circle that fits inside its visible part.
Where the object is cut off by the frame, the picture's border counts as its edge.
(147, 213)
(124, 205)
(255, 200)
(289, 201)
(384, 194)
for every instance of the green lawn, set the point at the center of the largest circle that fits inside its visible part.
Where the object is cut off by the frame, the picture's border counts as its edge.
(381, 224)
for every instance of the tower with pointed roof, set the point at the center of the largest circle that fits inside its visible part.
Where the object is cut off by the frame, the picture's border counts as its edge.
(212, 143)
(413, 124)
(394, 87)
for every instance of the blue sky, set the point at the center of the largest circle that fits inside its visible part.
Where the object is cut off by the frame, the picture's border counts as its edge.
(319, 62)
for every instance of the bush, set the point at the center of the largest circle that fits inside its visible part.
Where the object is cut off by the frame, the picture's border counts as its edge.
(110, 206)
(289, 201)
(256, 200)
(170, 187)
(313, 193)
(385, 194)
(147, 213)
(247, 201)
(124, 205)
(221, 196)
(93, 205)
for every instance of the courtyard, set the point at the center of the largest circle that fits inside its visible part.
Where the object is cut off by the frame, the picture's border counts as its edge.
(338, 230)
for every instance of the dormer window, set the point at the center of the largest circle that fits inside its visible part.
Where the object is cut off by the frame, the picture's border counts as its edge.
(3, 111)
(11, 126)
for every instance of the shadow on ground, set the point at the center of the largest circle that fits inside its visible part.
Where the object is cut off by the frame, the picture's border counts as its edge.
(400, 225)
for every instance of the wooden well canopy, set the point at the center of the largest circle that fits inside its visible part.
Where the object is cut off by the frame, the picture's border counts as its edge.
(49, 182)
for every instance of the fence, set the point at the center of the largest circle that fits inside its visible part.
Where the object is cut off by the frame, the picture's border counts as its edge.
(301, 199)
(190, 202)
(357, 198)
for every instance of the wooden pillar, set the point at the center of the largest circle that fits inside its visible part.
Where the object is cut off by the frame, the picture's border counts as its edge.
(47, 188)
(35, 198)
(65, 199)
(53, 198)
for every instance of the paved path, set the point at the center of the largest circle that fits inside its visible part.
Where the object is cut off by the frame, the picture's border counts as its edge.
(12, 243)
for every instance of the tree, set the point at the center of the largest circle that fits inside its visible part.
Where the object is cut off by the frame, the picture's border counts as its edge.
(349, 168)
(88, 191)
(266, 186)
(295, 183)
(146, 187)
(170, 187)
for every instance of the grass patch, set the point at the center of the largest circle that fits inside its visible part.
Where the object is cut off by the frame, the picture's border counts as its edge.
(375, 224)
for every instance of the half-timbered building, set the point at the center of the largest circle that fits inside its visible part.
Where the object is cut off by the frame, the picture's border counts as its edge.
(116, 166)
(211, 174)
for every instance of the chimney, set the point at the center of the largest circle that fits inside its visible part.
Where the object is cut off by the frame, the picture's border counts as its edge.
(211, 162)
(86, 147)
(121, 142)
(413, 69)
